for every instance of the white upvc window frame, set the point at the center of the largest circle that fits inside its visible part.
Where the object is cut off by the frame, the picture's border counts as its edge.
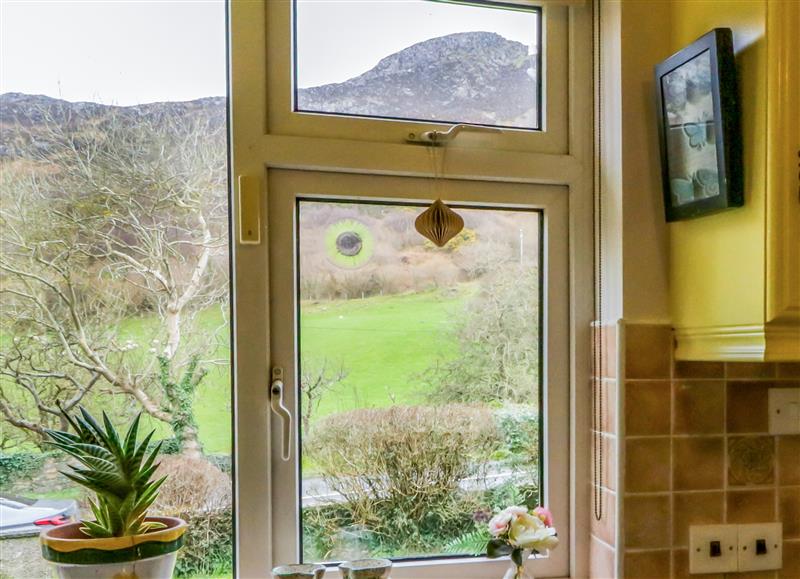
(551, 137)
(267, 141)
(285, 188)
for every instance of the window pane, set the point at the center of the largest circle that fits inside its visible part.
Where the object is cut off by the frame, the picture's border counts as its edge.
(419, 378)
(114, 258)
(419, 60)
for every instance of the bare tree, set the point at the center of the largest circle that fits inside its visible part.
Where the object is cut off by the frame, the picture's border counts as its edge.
(498, 344)
(316, 379)
(105, 219)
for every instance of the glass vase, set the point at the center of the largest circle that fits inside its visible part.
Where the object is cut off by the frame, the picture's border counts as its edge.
(518, 571)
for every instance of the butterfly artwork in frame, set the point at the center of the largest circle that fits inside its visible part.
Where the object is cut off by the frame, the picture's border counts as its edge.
(699, 128)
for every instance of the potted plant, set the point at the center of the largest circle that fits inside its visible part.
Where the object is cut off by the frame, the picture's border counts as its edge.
(121, 541)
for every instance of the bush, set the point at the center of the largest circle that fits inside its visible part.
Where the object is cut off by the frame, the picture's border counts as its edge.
(519, 425)
(20, 466)
(201, 494)
(398, 470)
(498, 344)
(208, 546)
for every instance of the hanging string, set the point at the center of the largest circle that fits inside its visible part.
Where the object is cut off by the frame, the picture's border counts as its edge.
(598, 350)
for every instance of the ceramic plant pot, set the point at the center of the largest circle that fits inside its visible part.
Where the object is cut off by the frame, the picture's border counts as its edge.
(366, 569)
(148, 556)
(307, 571)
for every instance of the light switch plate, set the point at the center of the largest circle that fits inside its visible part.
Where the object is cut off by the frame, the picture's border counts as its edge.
(749, 535)
(700, 549)
(784, 410)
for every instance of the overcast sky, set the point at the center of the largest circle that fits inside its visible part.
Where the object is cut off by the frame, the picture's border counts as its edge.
(340, 39)
(131, 52)
(113, 51)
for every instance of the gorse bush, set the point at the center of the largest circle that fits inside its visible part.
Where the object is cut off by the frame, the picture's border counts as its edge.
(398, 469)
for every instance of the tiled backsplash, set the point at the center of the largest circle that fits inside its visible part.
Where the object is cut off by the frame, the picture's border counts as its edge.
(694, 441)
(696, 448)
(603, 541)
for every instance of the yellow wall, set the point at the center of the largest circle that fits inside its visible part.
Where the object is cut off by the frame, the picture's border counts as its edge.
(645, 261)
(717, 262)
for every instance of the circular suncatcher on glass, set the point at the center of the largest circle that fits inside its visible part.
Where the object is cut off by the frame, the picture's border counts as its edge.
(349, 243)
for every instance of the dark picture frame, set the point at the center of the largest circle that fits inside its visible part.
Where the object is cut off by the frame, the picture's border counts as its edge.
(699, 128)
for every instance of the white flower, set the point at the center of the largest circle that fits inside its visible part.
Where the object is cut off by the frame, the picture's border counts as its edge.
(529, 532)
(499, 523)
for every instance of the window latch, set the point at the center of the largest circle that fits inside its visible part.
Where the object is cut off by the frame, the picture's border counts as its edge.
(444, 137)
(279, 408)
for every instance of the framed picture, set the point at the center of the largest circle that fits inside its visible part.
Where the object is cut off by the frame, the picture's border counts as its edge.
(699, 130)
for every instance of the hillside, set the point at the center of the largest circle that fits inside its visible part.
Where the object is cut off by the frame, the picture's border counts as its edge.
(474, 77)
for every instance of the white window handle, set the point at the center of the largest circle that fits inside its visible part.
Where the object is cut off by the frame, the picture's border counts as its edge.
(279, 408)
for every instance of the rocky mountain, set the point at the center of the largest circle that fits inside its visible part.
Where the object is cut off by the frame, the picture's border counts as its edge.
(24, 117)
(474, 77)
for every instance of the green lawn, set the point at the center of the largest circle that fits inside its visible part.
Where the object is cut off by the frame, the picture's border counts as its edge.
(383, 342)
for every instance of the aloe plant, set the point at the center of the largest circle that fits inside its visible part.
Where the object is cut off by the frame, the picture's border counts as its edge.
(118, 470)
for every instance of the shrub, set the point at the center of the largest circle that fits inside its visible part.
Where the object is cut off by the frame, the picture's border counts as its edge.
(398, 469)
(20, 466)
(519, 425)
(498, 335)
(201, 494)
(208, 544)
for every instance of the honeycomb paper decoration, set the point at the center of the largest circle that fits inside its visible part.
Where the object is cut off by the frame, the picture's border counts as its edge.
(439, 223)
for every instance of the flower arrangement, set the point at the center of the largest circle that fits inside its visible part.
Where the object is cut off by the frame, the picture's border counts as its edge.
(518, 532)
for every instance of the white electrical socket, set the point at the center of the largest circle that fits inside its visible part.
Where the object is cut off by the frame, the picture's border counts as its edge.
(784, 410)
(713, 549)
(760, 547)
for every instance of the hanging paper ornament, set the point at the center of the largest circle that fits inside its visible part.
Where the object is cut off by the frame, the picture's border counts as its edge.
(439, 223)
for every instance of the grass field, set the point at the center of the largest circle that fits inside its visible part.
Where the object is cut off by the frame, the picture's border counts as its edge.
(383, 343)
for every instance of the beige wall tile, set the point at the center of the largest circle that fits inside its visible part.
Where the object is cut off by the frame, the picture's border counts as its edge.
(751, 460)
(791, 560)
(609, 449)
(698, 463)
(680, 567)
(647, 565)
(610, 349)
(647, 465)
(647, 521)
(751, 506)
(695, 509)
(745, 370)
(606, 527)
(648, 351)
(612, 470)
(647, 408)
(699, 407)
(701, 370)
(608, 420)
(788, 461)
(789, 511)
(601, 560)
(747, 407)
